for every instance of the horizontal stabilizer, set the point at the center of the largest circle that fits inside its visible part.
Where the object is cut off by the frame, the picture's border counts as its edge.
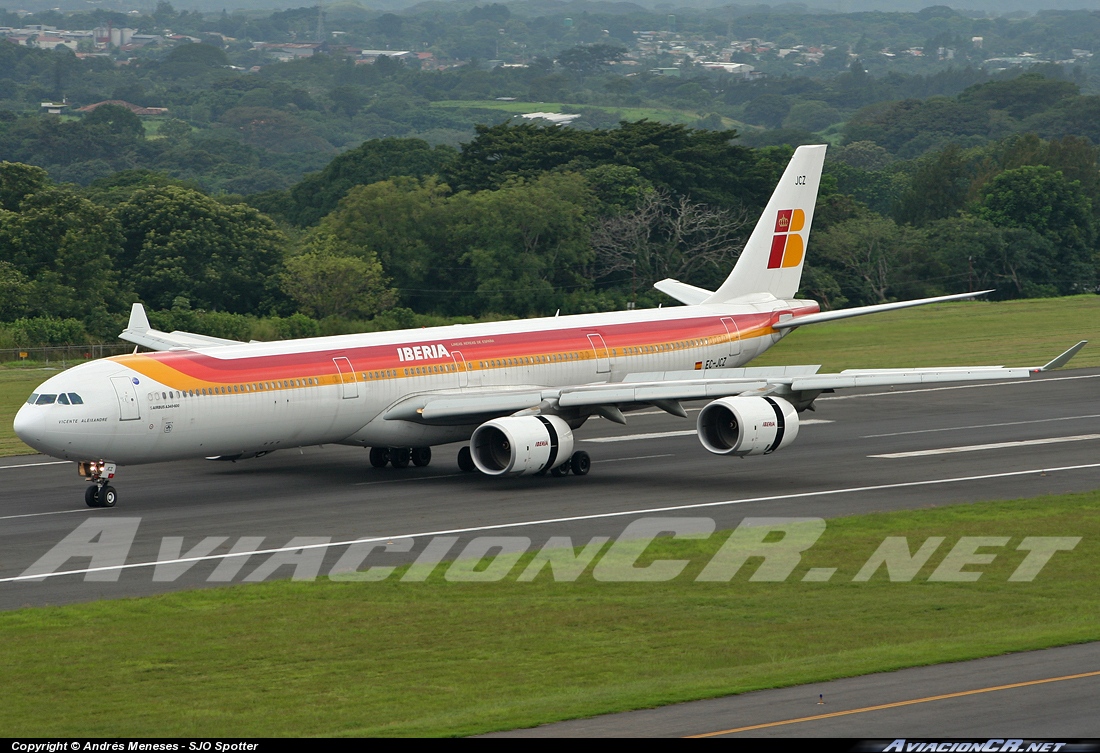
(140, 333)
(830, 316)
(682, 292)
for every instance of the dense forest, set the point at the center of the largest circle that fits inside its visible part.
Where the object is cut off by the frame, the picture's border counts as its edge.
(322, 196)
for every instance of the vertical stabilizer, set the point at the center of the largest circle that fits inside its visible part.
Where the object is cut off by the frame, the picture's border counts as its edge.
(773, 258)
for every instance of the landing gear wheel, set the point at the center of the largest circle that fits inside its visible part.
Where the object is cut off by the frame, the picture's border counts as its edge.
(400, 457)
(466, 460)
(421, 456)
(560, 470)
(108, 496)
(91, 496)
(379, 457)
(580, 463)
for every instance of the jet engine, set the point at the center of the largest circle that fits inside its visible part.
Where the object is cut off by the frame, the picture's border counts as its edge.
(519, 445)
(747, 425)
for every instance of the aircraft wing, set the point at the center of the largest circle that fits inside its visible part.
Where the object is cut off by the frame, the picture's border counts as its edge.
(665, 390)
(140, 333)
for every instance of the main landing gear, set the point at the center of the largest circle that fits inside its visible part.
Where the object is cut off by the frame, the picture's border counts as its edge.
(99, 493)
(400, 457)
(580, 463)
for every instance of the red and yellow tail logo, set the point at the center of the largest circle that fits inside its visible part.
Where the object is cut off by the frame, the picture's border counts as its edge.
(787, 244)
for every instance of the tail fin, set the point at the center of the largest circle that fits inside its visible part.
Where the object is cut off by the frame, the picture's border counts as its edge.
(772, 259)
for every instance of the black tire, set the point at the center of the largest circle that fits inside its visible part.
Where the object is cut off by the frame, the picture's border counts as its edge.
(379, 457)
(466, 460)
(580, 463)
(108, 496)
(400, 457)
(421, 456)
(91, 496)
(560, 470)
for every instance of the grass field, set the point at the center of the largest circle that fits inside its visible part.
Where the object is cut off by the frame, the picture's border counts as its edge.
(1014, 333)
(445, 658)
(15, 386)
(626, 113)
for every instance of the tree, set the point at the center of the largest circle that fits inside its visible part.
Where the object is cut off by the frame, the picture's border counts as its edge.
(703, 165)
(1040, 199)
(767, 110)
(115, 120)
(331, 278)
(665, 237)
(18, 181)
(376, 160)
(404, 221)
(867, 256)
(61, 246)
(180, 242)
(940, 188)
(525, 243)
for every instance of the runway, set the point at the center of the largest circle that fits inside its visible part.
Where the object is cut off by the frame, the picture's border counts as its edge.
(1034, 694)
(861, 451)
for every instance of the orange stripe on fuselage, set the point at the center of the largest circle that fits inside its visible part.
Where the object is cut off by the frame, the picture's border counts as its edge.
(191, 370)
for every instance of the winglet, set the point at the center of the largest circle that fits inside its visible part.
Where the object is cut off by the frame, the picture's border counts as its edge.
(139, 322)
(1063, 359)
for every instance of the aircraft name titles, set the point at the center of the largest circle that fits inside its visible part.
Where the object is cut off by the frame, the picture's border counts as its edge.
(422, 353)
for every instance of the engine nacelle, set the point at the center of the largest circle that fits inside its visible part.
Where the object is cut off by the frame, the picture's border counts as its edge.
(518, 445)
(747, 425)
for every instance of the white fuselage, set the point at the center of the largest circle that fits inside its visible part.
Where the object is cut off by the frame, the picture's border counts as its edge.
(254, 398)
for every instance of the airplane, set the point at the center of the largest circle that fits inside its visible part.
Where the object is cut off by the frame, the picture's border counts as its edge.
(514, 390)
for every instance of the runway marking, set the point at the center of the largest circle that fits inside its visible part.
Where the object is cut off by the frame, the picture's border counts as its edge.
(993, 446)
(979, 426)
(36, 514)
(408, 478)
(682, 433)
(961, 387)
(35, 465)
(635, 437)
(570, 519)
(898, 704)
(640, 457)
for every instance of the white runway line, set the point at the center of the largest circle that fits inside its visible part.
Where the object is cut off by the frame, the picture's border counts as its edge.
(570, 519)
(961, 387)
(35, 465)
(682, 433)
(634, 437)
(37, 514)
(993, 446)
(980, 426)
(640, 457)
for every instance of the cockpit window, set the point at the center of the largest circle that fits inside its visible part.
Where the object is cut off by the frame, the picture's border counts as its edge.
(31, 400)
(75, 399)
(46, 399)
(63, 399)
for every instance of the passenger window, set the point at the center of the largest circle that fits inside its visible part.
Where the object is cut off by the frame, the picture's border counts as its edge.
(75, 399)
(46, 399)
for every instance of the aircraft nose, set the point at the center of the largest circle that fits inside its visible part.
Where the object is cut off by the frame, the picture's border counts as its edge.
(30, 426)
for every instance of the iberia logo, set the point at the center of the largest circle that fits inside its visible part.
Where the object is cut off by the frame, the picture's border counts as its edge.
(787, 244)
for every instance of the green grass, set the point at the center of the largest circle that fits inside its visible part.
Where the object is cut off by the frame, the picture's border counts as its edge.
(16, 384)
(1013, 333)
(626, 113)
(441, 658)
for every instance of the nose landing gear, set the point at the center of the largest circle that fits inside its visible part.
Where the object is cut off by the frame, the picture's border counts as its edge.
(100, 493)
